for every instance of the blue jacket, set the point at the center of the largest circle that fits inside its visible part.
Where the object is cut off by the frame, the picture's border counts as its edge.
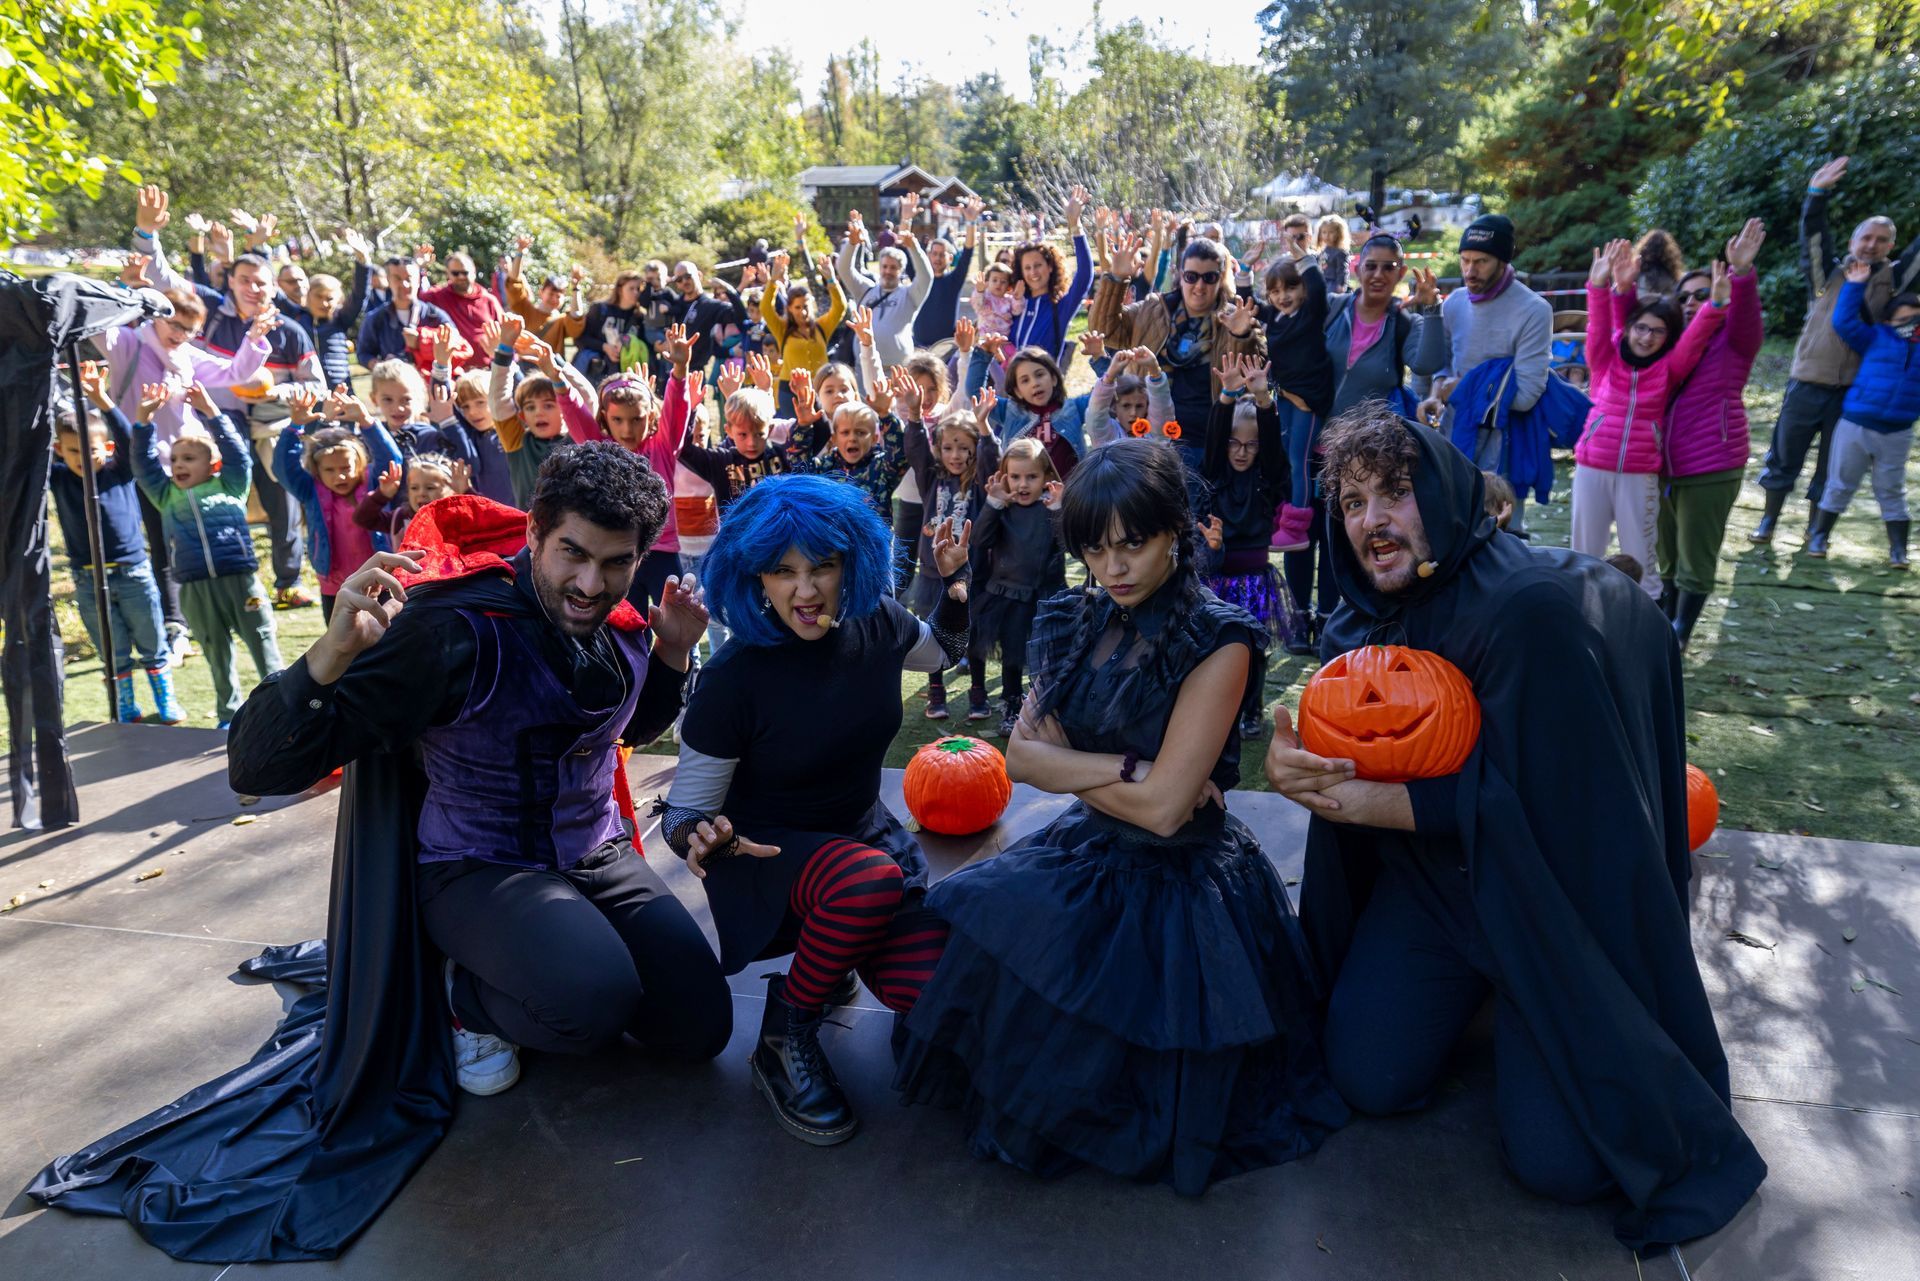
(122, 536)
(481, 452)
(383, 337)
(1530, 435)
(206, 526)
(1885, 395)
(299, 482)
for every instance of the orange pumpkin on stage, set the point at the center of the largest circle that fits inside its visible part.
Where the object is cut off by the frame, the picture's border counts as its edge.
(1396, 713)
(1703, 807)
(957, 786)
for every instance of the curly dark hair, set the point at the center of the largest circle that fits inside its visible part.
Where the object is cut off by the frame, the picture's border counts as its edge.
(1052, 255)
(1369, 439)
(604, 483)
(1662, 265)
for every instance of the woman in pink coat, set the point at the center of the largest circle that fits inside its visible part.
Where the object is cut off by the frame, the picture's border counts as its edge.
(1637, 355)
(1706, 455)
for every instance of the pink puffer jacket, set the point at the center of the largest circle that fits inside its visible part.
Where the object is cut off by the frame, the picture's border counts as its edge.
(1707, 421)
(1625, 430)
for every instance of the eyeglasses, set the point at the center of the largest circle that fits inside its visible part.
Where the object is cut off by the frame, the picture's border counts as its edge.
(180, 327)
(1648, 331)
(682, 278)
(459, 275)
(1200, 277)
(1695, 295)
(1243, 446)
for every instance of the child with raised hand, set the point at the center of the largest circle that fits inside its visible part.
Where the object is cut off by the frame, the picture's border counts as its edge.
(548, 407)
(951, 458)
(425, 479)
(202, 497)
(133, 594)
(1638, 354)
(996, 304)
(400, 404)
(326, 469)
(1132, 388)
(633, 418)
(1017, 561)
(1875, 432)
(1036, 404)
(1247, 474)
(467, 435)
(336, 312)
(868, 446)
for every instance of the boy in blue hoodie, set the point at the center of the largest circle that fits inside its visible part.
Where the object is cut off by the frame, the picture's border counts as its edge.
(1875, 431)
(133, 595)
(202, 499)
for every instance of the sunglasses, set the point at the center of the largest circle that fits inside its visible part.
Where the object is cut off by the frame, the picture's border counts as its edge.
(459, 275)
(1695, 295)
(1200, 277)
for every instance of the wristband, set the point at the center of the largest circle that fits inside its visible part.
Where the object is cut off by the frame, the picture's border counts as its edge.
(144, 235)
(1232, 393)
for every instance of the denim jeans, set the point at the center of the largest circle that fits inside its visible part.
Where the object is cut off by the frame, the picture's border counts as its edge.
(133, 607)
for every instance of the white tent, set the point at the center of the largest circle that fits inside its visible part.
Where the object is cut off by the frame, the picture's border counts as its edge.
(1306, 193)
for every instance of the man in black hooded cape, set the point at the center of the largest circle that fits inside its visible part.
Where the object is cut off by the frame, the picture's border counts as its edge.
(1551, 872)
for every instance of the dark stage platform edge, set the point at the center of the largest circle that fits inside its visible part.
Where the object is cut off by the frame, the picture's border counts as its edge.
(116, 997)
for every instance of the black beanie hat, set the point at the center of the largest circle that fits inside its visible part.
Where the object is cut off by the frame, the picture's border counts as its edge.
(1489, 234)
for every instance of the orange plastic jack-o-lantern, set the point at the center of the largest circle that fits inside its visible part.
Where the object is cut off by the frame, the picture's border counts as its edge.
(1396, 713)
(254, 388)
(957, 786)
(1703, 807)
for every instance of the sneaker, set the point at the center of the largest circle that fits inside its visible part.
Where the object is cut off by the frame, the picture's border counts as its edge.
(1006, 726)
(484, 1064)
(179, 647)
(223, 726)
(1252, 726)
(977, 710)
(936, 709)
(292, 598)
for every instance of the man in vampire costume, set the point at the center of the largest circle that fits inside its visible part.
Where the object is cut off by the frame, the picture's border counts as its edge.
(1551, 872)
(476, 686)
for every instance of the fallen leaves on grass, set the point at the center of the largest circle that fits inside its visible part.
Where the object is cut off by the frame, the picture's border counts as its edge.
(150, 873)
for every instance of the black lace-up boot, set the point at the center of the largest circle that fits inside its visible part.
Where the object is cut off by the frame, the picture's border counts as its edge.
(791, 1069)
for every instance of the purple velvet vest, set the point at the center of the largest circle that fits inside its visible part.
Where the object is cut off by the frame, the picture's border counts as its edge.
(524, 775)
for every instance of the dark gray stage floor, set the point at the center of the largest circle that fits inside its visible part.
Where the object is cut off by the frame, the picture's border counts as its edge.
(116, 997)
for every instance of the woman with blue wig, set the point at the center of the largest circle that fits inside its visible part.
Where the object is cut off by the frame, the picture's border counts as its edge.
(1128, 987)
(776, 803)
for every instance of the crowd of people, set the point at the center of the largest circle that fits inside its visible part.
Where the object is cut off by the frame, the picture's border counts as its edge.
(872, 490)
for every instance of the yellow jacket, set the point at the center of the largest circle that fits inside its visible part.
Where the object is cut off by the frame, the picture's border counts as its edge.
(791, 349)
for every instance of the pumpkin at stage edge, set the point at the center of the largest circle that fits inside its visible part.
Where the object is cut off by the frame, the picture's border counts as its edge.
(1703, 807)
(1396, 713)
(957, 786)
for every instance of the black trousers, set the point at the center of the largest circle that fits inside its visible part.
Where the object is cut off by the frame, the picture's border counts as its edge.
(1808, 413)
(650, 580)
(1414, 978)
(568, 961)
(39, 777)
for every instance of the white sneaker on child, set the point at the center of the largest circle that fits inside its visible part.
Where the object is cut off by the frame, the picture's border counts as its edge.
(484, 1064)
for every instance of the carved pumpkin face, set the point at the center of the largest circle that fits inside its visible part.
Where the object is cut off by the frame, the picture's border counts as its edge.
(1396, 713)
(1703, 807)
(957, 786)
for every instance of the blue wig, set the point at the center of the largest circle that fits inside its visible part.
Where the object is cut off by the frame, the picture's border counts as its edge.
(822, 518)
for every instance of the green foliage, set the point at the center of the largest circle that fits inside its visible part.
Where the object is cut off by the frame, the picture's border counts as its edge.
(485, 225)
(1566, 156)
(1383, 88)
(1783, 299)
(1758, 168)
(731, 226)
(55, 57)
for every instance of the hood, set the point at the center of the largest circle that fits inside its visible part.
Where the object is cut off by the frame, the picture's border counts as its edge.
(1452, 497)
(465, 535)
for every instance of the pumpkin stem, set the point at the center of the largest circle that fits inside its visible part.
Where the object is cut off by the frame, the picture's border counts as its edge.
(956, 744)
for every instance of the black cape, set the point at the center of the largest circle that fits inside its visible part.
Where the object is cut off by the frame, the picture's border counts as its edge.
(1572, 816)
(39, 321)
(293, 1154)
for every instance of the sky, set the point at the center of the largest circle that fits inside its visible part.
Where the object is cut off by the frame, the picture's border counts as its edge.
(980, 35)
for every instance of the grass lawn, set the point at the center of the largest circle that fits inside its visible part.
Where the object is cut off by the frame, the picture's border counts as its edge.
(1803, 700)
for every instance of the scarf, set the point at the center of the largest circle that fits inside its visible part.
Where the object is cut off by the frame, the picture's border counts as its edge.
(1499, 287)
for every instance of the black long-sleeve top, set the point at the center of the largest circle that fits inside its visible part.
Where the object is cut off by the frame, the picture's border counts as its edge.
(1297, 345)
(1246, 501)
(293, 731)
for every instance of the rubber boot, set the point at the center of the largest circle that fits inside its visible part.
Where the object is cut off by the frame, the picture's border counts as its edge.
(1686, 612)
(1666, 597)
(1820, 532)
(1897, 543)
(1763, 532)
(791, 1070)
(129, 710)
(167, 709)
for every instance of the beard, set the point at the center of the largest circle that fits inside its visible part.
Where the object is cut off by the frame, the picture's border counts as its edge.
(1403, 564)
(554, 600)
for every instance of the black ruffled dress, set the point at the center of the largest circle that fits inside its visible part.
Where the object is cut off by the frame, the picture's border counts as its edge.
(1115, 998)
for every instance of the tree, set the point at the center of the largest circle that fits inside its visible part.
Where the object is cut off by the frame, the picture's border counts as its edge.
(1566, 154)
(54, 56)
(991, 123)
(1383, 88)
(765, 137)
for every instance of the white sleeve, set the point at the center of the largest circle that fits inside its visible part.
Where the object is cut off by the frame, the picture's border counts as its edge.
(700, 782)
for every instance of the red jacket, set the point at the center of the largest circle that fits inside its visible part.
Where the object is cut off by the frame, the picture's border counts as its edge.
(1625, 428)
(470, 313)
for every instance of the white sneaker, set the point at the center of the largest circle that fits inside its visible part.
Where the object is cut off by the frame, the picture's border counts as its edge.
(484, 1064)
(179, 645)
